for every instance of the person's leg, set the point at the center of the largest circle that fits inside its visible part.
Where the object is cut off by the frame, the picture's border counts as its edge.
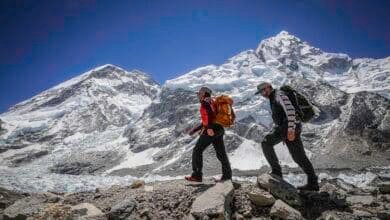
(268, 143)
(220, 150)
(299, 156)
(197, 154)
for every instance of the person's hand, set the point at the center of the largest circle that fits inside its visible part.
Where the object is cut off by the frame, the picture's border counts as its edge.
(210, 132)
(291, 135)
(193, 131)
(189, 131)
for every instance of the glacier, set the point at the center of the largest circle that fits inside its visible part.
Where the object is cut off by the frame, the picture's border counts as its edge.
(110, 126)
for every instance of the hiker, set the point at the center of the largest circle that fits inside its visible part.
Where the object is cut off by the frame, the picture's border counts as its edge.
(210, 133)
(288, 129)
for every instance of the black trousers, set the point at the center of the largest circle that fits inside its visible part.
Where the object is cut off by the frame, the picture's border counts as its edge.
(295, 148)
(197, 155)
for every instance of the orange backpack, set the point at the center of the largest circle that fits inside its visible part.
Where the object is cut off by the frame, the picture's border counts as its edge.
(224, 110)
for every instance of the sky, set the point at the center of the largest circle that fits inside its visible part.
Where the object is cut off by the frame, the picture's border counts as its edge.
(45, 42)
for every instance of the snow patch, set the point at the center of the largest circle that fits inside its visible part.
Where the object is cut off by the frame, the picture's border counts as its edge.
(249, 156)
(136, 159)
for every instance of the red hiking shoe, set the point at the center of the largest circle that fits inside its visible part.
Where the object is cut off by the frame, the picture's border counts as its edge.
(193, 178)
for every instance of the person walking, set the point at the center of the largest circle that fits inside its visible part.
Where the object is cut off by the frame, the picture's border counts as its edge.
(210, 133)
(288, 129)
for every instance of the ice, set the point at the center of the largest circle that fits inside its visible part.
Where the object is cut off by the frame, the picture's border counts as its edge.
(154, 178)
(33, 182)
(237, 77)
(80, 77)
(359, 180)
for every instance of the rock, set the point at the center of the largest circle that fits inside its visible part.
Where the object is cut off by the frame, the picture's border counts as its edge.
(280, 189)
(25, 207)
(347, 187)
(52, 198)
(283, 211)
(20, 159)
(148, 188)
(384, 187)
(237, 216)
(384, 215)
(236, 185)
(146, 213)
(75, 168)
(360, 199)
(85, 163)
(86, 210)
(214, 202)
(137, 184)
(55, 211)
(8, 197)
(247, 214)
(332, 189)
(336, 215)
(385, 198)
(260, 197)
(123, 209)
(361, 213)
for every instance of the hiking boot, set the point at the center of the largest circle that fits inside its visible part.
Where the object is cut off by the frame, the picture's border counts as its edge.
(276, 174)
(309, 187)
(312, 184)
(193, 178)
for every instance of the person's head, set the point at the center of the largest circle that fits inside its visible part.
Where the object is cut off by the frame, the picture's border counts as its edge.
(264, 89)
(203, 93)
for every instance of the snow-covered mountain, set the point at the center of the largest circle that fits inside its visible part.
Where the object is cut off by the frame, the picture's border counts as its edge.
(108, 126)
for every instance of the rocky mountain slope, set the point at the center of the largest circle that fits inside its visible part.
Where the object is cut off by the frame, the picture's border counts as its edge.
(109, 126)
(269, 198)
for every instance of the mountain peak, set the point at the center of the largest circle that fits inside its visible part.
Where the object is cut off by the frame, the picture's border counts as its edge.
(139, 72)
(145, 76)
(283, 45)
(284, 34)
(107, 68)
(283, 39)
(103, 66)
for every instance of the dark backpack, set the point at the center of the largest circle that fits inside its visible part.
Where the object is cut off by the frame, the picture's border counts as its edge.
(301, 104)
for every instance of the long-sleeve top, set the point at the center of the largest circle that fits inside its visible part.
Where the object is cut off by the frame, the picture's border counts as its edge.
(283, 111)
(207, 114)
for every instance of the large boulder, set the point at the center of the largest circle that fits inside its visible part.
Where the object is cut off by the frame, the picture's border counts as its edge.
(260, 197)
(366, 200)
(86, 210)
(214, 202)
(8, 197)
(283, 211)
(384, 187)
(122, 209)
(25, 207)
(280, 189)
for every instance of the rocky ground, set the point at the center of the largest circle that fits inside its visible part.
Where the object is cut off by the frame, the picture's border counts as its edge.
(268, 198)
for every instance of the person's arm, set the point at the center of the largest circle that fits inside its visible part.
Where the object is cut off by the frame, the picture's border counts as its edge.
(289, 111)
(195, 129)
(233, 115)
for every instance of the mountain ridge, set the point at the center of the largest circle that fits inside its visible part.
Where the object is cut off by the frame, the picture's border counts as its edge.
(110, 126)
